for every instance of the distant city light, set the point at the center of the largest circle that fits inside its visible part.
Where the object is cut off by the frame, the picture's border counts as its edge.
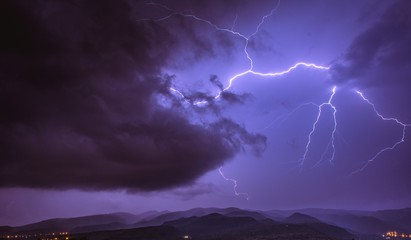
(396, 235)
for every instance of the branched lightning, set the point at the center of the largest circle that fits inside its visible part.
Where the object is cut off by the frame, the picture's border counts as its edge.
(246, 39)
(249, 71)
(330, 149)
(392, 147)
(331, 142)
(220, 170)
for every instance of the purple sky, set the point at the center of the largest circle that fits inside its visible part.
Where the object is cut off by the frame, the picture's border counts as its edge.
(90, 122)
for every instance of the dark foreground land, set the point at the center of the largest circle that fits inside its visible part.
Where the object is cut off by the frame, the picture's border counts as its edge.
(217, 226)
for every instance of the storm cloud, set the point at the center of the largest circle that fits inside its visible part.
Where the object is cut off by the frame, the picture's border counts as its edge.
(80, 89)
(384, 47)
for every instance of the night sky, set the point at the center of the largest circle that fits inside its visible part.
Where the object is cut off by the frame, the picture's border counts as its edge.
(109, 106)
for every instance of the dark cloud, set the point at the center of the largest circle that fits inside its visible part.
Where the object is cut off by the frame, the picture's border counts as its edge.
(231, 97)
(192, 38)
(238, 137)
(213, 104)
(214, 80)
(227, 96)
(80, 82)
(383, 48)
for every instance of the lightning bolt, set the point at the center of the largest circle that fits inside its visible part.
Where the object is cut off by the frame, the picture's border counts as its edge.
(249, 71)
(330, 149)
(246, 39)
(331, 142)
(220, 170)
(392, 147)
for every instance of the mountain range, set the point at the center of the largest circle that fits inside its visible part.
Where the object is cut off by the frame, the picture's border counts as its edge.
(225, 223)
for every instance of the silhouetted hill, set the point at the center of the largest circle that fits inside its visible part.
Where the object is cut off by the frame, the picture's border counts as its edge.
(167, 232)
(216, 224)
(314, 212)
(358, 223)
(229, 223)
(6, 230)
(148, 215)
(398, 217)
(170, 216)
(77, 224)
(299, 218)
(145, 233)
(99, 227)
(361, 222)
(327, 229)
(246, 213)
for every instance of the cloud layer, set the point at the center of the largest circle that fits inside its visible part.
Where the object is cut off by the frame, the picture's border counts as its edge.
(384, 47)
(80, 87)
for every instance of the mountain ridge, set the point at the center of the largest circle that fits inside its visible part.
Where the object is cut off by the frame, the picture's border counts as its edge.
(338, 224)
